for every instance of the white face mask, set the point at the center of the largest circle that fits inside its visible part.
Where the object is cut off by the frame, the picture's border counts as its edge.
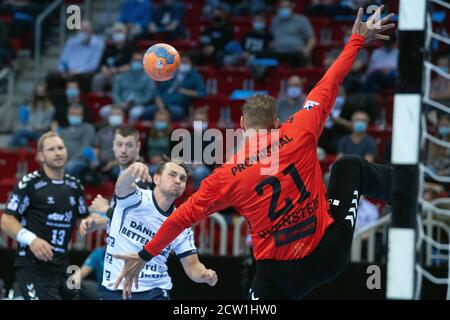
(118, 37)
(294, 92)
(115, 120)
(185, 68)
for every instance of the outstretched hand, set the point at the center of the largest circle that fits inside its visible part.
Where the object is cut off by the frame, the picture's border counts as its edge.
(139, 171)
(372, 28)
(133, 265)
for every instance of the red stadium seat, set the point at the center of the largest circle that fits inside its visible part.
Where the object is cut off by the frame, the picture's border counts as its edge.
(31, 162)
(193, 8)
(381, 136)
(387, 104)
(236, 110)
(143, 128)
(310, 75)
(271, 82)
(230, 79)
(209, 77)
(322, 29)
(9, 162)
(300, 6)
(241, 26)
(339, 29)
(144, 44)
(214, 103)
(326, 163)
(194, 26)
(321, 51)
(180, 45)
(94, 102)
(12, 163)
(6, 186)
(106, 190)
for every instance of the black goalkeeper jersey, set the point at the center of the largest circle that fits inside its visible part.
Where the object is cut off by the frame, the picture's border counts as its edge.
(48, 208)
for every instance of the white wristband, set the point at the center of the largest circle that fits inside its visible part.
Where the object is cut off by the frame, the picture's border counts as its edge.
(25, 237)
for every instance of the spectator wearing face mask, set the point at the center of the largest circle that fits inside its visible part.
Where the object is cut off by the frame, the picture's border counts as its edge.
(354, 81)
(293, 36)
(336, 125)
(34, 120)
(382, 69)
(78, 136)
(63, 98)
(200, 171)
(254, 43)
(177, 93)
(81, 56)
(103, 144)
(115, 59)
(158, 141)
(214, 39)
(293, 100)
(358, 142)
(134, 91)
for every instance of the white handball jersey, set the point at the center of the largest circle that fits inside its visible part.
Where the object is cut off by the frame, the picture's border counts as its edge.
(135, 221)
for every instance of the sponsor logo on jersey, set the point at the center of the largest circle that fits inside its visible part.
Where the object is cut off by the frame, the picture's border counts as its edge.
(109, 258)
(24, 205)
(111, 241)
(82, 207)
(40, 185)
(13, 202)
(65, 217)
(309, 104)
(72, 184)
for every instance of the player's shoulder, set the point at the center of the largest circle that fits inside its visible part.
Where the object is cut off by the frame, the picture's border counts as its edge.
(73, 181)
(134, 198)
(29, 178)
(144, 192)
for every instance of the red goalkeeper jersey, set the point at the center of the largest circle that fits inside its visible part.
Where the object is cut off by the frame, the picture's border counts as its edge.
(287, 209)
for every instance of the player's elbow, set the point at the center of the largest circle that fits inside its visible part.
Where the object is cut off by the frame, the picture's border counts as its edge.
(6, 223)
(2, 228)
(3, 221)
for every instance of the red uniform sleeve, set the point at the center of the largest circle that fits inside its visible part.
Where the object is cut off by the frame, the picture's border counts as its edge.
(208, 199)
(320, 100)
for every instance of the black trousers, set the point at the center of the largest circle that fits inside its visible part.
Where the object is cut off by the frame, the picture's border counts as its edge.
(38, 283)
(351, 177)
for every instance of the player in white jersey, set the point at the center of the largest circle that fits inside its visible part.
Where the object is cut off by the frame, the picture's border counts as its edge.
(137, 216)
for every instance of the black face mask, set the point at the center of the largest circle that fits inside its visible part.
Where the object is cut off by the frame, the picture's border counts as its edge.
(40, 97)
(218, 19)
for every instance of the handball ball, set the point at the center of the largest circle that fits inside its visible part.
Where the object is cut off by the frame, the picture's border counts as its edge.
(161, 62)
